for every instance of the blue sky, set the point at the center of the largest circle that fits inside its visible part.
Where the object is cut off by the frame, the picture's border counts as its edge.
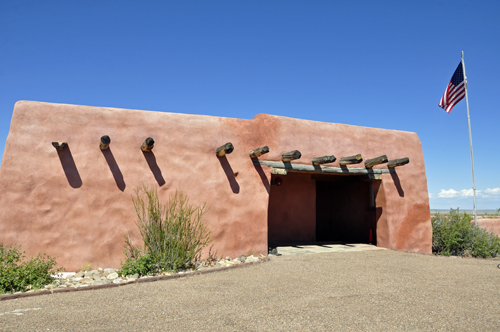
(379, 64)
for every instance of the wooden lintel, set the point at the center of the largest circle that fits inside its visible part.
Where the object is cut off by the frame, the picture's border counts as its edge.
(322, 169)
(351, 160)
(375, 176)
(323, 160)
(259, 152)
(292, 155)
(58, 146)
(222, 150)
(398, 162)
(104, 143)
(148, 145)
(376, 161)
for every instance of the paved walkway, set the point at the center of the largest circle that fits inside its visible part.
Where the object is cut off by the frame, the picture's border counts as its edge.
(378, 290)
(321, 248)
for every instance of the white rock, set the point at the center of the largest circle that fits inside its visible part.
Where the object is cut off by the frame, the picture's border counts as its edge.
(64, 275)
(83, 285)
(112, 276)
(117, 281)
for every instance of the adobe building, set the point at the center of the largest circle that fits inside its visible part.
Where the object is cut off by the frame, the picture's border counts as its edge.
(67, 193)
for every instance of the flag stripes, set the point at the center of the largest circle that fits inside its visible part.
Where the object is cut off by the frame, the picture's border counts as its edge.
(455, 91)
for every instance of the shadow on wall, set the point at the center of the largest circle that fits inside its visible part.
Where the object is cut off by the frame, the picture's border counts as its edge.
(113, 167)
(235, 187)
(69, 167)
(263, 177)
(397, 183)
(153, 166)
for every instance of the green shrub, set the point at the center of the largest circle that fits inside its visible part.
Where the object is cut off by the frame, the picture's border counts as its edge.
(453, 234)
(142, 264)
(173, 234)
(16, 275)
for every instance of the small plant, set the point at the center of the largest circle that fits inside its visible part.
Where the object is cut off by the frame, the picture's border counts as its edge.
(453, 234)
(172, 233)
(86, 267)
(18, 275)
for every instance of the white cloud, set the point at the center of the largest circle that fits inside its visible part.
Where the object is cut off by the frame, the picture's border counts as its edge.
(495, 192)
(448, 193)
(451, 193)
(468, 192)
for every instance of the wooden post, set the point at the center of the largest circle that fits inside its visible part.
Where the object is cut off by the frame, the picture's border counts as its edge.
(323, 160)
(376, 161)
(148, 145)
(398, 162)
(259, 152)
(104, 144)
(222, 150)
(351, 160)
(292, 155)
(58, 146)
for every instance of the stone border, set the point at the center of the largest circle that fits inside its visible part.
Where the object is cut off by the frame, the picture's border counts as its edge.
(6, 297)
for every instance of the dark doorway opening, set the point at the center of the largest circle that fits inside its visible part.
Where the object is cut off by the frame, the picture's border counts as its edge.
(345, 210)
(322, 209)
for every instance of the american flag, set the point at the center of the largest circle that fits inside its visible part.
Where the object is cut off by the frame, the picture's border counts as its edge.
(455, 91)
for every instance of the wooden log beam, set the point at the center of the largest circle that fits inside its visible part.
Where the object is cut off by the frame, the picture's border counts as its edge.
(292, 155)
(398, 162)
(58, 146)
(222, 150)
(376, 161)
(104, 143)
(279, 171)
(351, 160)
(148, 145)
(259, 152)
(322, 169)
(323, 160)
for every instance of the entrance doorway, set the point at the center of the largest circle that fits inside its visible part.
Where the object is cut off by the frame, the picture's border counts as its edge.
(310, 208)
(345, 210)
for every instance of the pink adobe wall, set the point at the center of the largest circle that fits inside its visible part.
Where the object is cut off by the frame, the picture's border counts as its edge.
(292, 209)
(404, 217)
(74, 205)
(492, 225)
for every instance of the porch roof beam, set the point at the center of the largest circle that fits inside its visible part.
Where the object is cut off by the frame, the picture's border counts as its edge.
(323, 169)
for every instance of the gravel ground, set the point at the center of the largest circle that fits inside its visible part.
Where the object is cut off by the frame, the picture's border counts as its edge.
(342, 291)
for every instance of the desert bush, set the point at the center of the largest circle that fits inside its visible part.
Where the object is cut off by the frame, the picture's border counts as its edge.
(18, 275)
(453, 234)
(173, 234)
(86, 267)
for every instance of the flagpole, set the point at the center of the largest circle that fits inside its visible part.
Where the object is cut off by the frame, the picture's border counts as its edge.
(470, 140)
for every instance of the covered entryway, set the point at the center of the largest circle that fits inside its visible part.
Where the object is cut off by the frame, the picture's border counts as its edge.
(307, 208)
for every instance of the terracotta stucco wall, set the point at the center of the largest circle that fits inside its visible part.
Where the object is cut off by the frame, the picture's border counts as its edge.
(492, 225)
(404, 215)
(292, 209)
(75, 205)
